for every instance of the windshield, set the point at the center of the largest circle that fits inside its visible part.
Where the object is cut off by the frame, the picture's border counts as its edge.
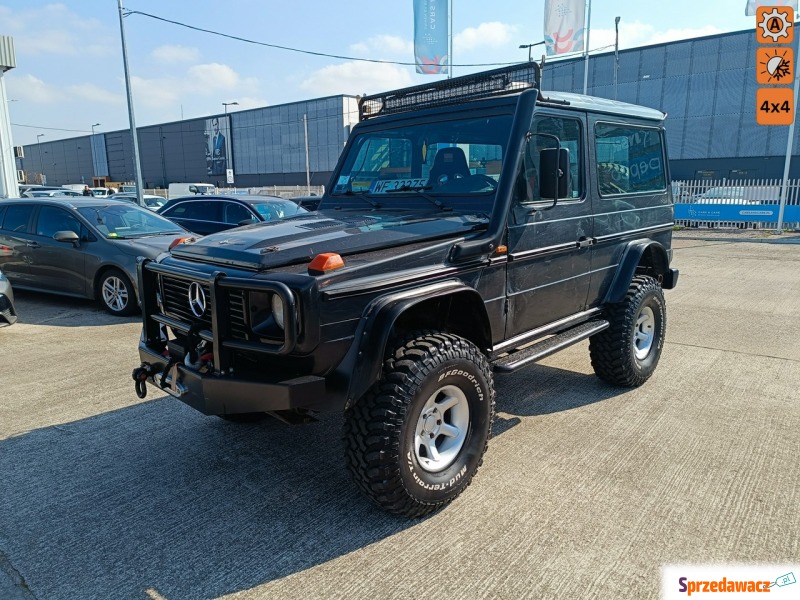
(401, 166)
(127, 221)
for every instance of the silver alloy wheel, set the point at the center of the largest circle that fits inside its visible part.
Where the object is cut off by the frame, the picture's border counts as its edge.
(441, 429)
(644, 333)
(115, 293)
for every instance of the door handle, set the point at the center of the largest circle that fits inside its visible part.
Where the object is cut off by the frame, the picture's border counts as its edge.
(33, 244)
(585, 242)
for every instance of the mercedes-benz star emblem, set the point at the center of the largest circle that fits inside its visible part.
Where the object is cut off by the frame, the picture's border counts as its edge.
(197, 299)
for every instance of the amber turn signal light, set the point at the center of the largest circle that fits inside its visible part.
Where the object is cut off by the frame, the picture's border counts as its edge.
(323, 263)
(181, 240)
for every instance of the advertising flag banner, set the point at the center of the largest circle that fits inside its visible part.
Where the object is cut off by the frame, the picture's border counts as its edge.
(753, 5)
(564, 27)
(431, 24)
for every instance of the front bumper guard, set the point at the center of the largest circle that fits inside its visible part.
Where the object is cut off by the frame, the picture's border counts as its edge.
(225, 395)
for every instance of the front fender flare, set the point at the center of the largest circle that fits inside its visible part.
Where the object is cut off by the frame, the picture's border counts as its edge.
(361, 366)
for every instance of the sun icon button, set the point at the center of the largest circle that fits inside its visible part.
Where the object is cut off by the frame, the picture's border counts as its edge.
(775, 66)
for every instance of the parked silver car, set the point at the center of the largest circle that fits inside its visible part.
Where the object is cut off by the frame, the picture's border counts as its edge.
(8, 315)
(81, 247)
(150, 201)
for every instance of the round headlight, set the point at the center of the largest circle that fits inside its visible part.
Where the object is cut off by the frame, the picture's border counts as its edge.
(277, 310)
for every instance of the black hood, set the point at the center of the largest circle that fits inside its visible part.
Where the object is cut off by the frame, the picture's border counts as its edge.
(299, 239)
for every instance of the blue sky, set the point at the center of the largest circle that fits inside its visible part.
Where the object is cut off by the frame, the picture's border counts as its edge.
(69, 71)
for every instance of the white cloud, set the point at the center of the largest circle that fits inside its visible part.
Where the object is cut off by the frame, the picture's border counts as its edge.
(246, 102)
(213, 76)
(384, 45)
(94, 93)
(28, 88)
(170, 54)
(55, 29)
(492, 35)
(356, 78)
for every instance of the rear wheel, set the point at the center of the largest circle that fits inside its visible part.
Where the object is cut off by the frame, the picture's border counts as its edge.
(116, 294)
(627, 353)
(414, 442)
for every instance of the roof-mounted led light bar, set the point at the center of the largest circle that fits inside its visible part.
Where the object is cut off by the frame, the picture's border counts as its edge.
(450, 91)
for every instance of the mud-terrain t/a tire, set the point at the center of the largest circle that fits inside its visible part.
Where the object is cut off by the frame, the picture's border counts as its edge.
(627, 353)
(416, 439)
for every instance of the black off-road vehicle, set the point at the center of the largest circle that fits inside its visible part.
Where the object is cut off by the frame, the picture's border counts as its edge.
(472, 226)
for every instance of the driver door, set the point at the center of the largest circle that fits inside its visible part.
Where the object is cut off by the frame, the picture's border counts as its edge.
(549, 251)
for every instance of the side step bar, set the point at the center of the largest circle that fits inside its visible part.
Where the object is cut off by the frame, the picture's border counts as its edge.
(551, 345)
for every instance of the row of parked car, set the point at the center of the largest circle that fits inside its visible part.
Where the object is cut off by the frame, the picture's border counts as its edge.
(68, 244)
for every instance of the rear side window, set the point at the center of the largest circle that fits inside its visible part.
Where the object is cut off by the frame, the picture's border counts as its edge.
(630, 159)
(17, 218)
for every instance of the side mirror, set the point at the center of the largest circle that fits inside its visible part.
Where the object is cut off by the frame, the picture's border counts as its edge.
(69, 237)
(193, 189)
(554, 163)
(250, 221)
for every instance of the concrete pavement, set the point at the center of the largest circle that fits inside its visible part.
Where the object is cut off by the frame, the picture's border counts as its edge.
(585, 492)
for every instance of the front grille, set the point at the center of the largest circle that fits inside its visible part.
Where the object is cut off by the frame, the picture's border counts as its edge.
(175, 296)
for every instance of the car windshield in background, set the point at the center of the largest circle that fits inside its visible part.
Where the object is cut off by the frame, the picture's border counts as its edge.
(458, 157)
(272, 211)
(122, 221)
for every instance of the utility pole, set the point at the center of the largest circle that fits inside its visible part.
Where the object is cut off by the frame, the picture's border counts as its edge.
(586, 51)
(308, 166)
(136, 168)
(616, 54)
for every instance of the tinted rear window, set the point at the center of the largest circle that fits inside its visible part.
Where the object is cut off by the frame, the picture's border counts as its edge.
(17, 218)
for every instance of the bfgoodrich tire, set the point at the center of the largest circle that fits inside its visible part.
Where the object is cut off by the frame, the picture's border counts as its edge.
(627, 353)
(414, 442)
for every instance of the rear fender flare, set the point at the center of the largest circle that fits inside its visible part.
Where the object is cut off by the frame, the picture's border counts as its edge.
(652, 253)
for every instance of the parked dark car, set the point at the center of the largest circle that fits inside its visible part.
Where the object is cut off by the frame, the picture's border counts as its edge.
(310, 203)
(208, 214)
(8, 315)
(81, 247)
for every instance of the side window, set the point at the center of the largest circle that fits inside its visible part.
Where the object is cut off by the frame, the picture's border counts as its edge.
(17, 218)
(630, 159)
(569, 135)
(208, 210)
(234, 213)
(52, 219)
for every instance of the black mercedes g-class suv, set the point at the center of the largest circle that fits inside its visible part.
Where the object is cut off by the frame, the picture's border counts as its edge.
(472, 226)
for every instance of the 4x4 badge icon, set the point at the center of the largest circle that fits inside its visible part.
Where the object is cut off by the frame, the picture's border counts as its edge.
(197, 299)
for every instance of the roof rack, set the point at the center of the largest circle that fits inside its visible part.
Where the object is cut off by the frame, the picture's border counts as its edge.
(451, 91)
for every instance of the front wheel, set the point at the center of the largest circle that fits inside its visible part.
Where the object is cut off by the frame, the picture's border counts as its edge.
(415, 441)
(116, 293)
(627, 353)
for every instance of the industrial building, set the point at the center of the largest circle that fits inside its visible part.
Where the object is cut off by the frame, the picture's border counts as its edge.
(706, 85)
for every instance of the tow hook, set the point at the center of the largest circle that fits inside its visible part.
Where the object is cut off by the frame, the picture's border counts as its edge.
(140, 376)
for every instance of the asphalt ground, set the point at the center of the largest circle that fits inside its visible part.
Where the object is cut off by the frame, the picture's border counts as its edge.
(585, 492)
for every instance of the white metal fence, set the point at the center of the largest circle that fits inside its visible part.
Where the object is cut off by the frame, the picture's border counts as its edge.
(736, 203)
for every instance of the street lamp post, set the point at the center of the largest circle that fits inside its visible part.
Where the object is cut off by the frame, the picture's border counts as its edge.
(616, 54)
(227, 104)
(39, 148)
(93, 126)
(529, 46)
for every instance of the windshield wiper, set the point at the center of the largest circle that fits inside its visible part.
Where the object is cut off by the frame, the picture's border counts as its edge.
(421, 192)
(361, 195)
